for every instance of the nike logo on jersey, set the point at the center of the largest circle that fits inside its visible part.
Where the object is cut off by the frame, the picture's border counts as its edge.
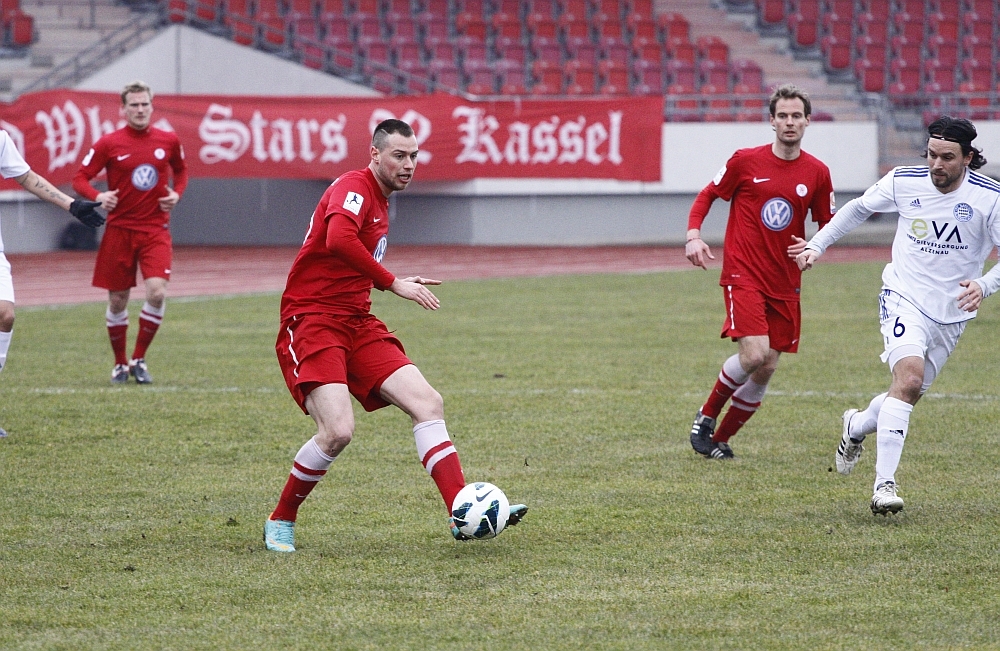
(123, 157)
(756, 180)
(376, 220)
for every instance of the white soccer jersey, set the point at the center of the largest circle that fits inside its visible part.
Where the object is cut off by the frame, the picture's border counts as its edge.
(11, 163)
(941, 239)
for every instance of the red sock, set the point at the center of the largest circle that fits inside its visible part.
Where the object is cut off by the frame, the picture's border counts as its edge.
(736, 417)
(295, 492)
(731, 378)
(308, 468)
(117, 334)
(440, 459)
(149, 323)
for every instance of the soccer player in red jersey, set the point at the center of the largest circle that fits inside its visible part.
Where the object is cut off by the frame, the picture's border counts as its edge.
(331, 347)
(771, 188)
(139, 159)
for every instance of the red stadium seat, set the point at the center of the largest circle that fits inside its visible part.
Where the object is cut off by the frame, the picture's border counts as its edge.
(614, 51)
(879, 9)
(837, 26)
(914, 8)
(943, 50)
(649, 80)
(641, 31)
(870, 51)
(470, 24)
(403, 27)
(398, 8)
(977, 99)
(574, 30)
(836, 54)
(577, 8)
(871, 77)
(975, 48)
(750, 104)
(842, 8)
(680, 73)
(513, 81)
(268, 8)
(716, 104)
(906, 74)
(583, 52)
(511, 50)
(366, 27)
(547, 51)
(909, 27)
(714, 73)
(712, 48)
(21, 28)
(328, 9)
(809, 9)
(906, 49)
(406, 52)
(470, 50)
(651, 53)
(542, 26)
(505, 26)
(770, 13)
(370, 7)
(337, 31)
(445, 74)
(681, 104)
(441, 51)
(805, 31)
(673, 25)
(872, 28)
(747, 74)
(681, 49)
(944, 26)
(979, 25)
(977, 72)
(551, 78)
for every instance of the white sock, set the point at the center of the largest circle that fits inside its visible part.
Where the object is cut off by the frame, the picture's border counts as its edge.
(750, 395)
(5, 338)
(311, 463)
(116, 319)
(154, 314)
(893, 421)
(433, 442)
(732, 373)
(865, 422)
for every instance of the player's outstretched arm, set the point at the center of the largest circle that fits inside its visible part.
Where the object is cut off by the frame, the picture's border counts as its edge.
(413, 289)
(43, 189)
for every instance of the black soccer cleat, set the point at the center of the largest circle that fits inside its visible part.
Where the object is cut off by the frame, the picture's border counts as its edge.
(138, 369)
(721, 450)
(701, 434)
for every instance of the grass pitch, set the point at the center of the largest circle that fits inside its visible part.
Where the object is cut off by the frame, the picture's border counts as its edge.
(131, 516)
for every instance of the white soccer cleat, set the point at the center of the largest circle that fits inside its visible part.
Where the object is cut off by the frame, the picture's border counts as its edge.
(849, 450)
(885, 499)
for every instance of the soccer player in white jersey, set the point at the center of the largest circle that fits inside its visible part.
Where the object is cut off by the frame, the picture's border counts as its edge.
(13, 166)
(949, 222)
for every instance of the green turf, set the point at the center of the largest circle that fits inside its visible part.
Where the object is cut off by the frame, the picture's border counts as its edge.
(131, 516)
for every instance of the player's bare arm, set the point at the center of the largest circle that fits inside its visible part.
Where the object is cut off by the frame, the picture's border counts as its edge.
(971, 296)
(43, 189)
(168, 202)
(696, 250)
(413, 289)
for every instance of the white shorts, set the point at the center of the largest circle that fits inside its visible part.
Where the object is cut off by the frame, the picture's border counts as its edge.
(907, 332)
(6, 282)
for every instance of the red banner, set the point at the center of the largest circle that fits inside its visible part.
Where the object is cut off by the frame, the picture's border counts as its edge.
(322, 137)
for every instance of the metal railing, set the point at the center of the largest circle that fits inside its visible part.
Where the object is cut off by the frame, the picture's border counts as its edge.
(72, 71)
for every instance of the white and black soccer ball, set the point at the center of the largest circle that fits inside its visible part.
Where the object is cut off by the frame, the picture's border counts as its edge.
(480, 510)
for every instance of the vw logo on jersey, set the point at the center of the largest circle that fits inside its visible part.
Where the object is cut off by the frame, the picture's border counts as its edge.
(379, 251)
(776, 214)
(963, 212)
(145, 177)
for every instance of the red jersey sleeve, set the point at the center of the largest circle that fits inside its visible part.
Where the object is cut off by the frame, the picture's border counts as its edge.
(723, 186)
(93, 163)
(179, 167)
(342, 241)
(824, 202)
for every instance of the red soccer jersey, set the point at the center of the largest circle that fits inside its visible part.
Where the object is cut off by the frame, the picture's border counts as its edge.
(138, 163)
(341, 258)
(769, 199)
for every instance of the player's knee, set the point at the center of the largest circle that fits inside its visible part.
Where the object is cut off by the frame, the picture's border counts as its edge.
(333, 439)
(432, 404)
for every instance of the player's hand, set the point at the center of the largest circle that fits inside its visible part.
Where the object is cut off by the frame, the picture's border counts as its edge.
(168, 202)
(797, 246)
(413, 289)
(698, 252)
(108, 199)
(84, 211)
(971, 296)
(806, 259)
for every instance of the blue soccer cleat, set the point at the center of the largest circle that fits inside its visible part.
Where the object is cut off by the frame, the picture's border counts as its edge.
(279, 535)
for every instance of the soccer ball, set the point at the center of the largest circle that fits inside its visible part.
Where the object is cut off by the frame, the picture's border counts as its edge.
(480, 510)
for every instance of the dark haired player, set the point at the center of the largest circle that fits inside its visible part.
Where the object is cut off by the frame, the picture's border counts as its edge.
(139, 159)
(331, 347)
(771, 188)
(949, 222)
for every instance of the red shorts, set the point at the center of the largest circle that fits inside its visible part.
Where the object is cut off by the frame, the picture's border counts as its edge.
(359, 351)
(750, 313)
(123, 251)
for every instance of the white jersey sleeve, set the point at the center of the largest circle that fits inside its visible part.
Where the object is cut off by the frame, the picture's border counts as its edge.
(941, 239)
(12, 163)
(877, 198)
